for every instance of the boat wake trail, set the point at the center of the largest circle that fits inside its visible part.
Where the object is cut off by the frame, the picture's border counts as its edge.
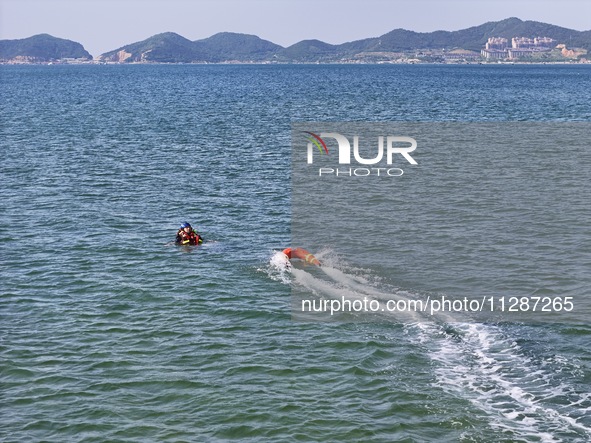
(279, 268)
(523, 391)
(524, 396)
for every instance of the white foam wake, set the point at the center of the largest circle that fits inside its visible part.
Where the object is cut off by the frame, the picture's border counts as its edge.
(279, 268)
(521, 397)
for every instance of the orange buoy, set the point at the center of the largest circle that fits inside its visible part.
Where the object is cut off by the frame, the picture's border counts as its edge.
(302, 254)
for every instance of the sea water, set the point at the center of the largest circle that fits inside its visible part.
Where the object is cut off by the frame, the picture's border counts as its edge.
(110, 332)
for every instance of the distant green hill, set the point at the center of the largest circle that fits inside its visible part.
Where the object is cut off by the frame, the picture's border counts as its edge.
(227, 46)
(167, 47)
(472, 38)
(309, 51)
(41, 48)
(172, 48)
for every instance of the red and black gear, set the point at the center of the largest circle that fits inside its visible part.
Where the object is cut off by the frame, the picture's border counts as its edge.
(188, 238)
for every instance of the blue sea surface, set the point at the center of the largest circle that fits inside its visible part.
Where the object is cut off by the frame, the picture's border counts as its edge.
(109, 332)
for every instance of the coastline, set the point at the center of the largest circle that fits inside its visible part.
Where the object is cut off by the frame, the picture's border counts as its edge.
(336, 63)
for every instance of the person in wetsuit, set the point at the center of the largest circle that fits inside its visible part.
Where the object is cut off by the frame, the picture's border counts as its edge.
(186, 235)
(302, 254)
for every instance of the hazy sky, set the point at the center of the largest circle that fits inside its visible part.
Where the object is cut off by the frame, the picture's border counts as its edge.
(103, 25)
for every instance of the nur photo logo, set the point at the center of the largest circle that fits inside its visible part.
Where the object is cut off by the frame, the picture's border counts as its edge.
(385, 150)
